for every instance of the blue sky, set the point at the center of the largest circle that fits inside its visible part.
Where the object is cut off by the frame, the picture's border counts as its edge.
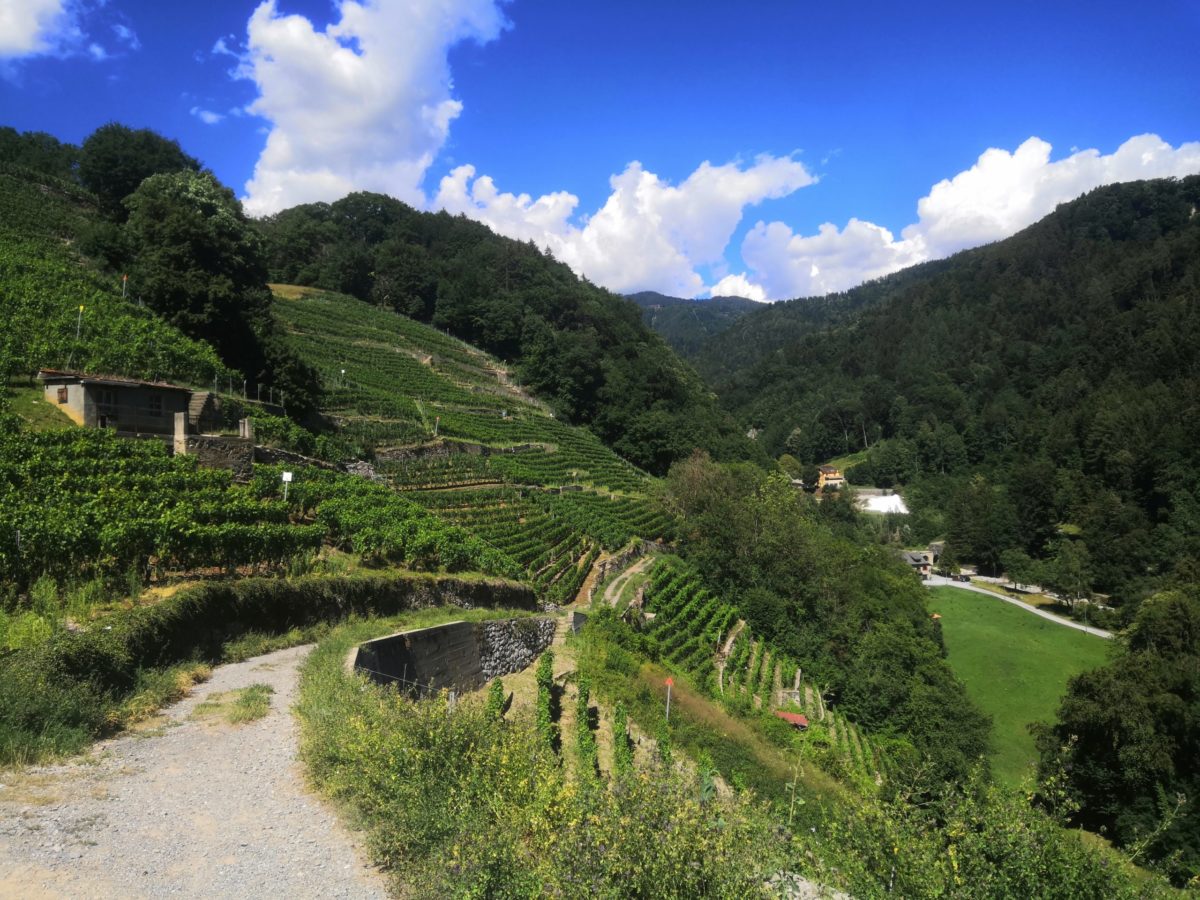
(840, 146)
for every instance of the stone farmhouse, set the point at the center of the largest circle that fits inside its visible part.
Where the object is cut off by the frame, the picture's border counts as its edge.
(185, 419)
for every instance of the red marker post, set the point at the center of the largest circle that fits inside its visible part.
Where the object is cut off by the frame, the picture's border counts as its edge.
(670, 681)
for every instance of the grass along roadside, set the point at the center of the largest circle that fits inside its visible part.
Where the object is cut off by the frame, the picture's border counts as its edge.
(1015, 667)
(458, 804)
(1038, 601)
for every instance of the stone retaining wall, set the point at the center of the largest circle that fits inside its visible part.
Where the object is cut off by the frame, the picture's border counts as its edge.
(221, 452)
(621, 561)
(510, 645)
(443, 449)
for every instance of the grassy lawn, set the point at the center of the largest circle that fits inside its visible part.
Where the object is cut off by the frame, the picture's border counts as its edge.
(26, 401)
(845, 462)
(1015, 666)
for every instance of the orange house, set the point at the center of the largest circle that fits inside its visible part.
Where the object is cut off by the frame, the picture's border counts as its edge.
(829, 475)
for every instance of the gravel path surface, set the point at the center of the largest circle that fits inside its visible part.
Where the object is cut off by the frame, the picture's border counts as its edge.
(192, 808)
(612, 593)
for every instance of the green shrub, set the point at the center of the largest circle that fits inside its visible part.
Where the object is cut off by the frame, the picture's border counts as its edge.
(458, 806)
(495, 701)
(622, 747)
(585, 740)
(544, 677)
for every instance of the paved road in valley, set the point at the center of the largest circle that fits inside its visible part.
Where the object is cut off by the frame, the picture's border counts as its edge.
(939, 581)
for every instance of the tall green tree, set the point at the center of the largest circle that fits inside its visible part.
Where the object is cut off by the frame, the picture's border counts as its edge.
(39, 151)
(115, 159)
(1129, 735)
(198, 262)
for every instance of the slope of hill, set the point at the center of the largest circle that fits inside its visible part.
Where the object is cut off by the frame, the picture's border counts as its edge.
(477, 477)
(447, 426)
(581, 349)
(687, 324)
(1061, 363)
(60, 312)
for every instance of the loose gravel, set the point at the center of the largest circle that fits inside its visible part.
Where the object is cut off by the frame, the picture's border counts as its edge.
(190, 807)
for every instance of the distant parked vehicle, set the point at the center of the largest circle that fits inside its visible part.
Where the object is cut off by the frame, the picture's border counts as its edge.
(966, 578)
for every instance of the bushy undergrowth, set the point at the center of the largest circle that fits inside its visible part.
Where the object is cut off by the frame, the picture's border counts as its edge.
(58, 695)
(967, 840)
(459, 804)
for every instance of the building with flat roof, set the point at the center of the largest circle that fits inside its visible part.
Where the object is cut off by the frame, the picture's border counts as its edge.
(126, 405)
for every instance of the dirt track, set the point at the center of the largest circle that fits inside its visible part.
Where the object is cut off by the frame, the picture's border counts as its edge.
(190, 808)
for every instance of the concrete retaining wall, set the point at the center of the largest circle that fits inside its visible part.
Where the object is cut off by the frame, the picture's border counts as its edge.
(457, 655)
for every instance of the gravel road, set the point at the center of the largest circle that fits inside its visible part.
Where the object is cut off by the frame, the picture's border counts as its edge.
(192, 808)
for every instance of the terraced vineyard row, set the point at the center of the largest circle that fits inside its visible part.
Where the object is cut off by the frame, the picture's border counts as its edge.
(534, 465)
(554, 537)
(380, 335)
(393, 382)
(693, 628)
(87, 503)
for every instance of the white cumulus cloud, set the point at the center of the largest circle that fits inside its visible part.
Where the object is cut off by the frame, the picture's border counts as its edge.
(207, 116)
(35, 27)
(127, 36)
(649, 234)
(995, 198)
(364, 104)
(738, 285)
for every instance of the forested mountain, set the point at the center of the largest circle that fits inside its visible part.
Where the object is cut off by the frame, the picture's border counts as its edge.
(1040, 392)
(752, 338)
(582, 349)
(687, 324)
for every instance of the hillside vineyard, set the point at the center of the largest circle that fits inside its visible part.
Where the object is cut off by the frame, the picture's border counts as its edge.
(725, 678)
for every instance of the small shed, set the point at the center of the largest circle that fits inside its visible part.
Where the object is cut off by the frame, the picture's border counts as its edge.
(796, 720)
(125, 405)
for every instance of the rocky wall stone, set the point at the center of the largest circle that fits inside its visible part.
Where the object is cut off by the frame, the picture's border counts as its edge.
(512, 644)
(220, 452)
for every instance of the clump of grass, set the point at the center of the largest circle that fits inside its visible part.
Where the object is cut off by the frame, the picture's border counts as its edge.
(155, 689)
(252, 703)
(258, 643)
(246, 704)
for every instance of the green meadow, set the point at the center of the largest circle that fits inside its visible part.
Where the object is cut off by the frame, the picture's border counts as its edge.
(1015, 666)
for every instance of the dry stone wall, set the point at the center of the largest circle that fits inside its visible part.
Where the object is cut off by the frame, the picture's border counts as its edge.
(619, 563)
(512, 644)
(221, 452)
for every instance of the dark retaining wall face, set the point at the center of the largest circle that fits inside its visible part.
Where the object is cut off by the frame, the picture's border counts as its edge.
(457, 655)
(444, 656)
